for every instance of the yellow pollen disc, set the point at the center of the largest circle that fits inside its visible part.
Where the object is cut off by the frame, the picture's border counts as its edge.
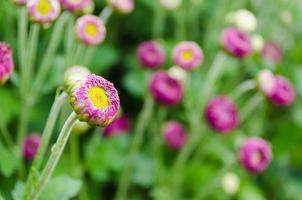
(44, 7)
(98, 97)
(91, 29)
(256, 158)
(187, 55)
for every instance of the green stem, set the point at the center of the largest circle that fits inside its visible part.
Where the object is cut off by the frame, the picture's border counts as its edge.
(158, 23)
(69, 41)
(143, 119)
(250, 106)
(5, 133)
(243, 88)
(57, 151)
(49, 54)
(46, 135)
(106, 14)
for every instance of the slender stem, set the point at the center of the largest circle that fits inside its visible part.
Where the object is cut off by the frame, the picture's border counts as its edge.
(250, 106)
(69, 44)
(106, 13)
(158, 23)
(49, 54)
(50, 123)
(143, 119)
(57, 151)
(5, 133)
(243, 88)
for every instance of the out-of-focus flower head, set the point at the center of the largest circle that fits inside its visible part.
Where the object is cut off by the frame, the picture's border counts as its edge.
(165, 89)
(272, 52)
(236, 42)
(122, 6)
(43, 11)
(78, 6)
(118, 126)
(175, 134)
(73, 75)
(255, 154)
(257, 42)
(222, 115)
(243, 19)
(230, 183)
(30, 146)
(170, 4)
(151, 54)
(95, 100)
(6, 62)
(283, 93)
(188, 55)
(90, 30)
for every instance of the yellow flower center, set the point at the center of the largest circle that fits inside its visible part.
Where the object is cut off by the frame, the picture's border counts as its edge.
(98, 97)
(44, 7)
(91, 29)
(187, 55)
(256, 157)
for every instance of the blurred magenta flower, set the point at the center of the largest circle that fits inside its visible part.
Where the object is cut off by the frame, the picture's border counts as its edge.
(6, 62)
(187, 55)
(165, 89)
(90, 30)
(19, 2)
(117, 126)
(266, 82)
(236, 42)
(78, 6)
(95, 100)
(30, 146)
(122, 6)
(151, 54)
(255, 154)
(175, 135)
(222, 115)
(272, 52)
(283, 93)
(43, 11)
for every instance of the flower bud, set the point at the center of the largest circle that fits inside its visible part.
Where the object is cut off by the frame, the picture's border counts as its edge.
(73, 75)
(230, 183)
(30, 146)
(244, 20)
(175, 135)
(151, 54)
(6, 62)
(122, 6)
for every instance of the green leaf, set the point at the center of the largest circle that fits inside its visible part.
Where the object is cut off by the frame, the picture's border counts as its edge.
(9, 162)
(9, 104)
(249, 191)
(61, 187)
(144, 170)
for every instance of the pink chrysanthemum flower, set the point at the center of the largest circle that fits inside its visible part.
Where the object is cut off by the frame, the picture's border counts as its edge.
(95, 100)
(236, 42)
(19, 2)
(122, 6)
(266, 82)
(30, 146)
(165, 89)
(151, 54)
(43, 11)
(255, 154)
(6, 62)
(283, 93)
(78, 6)
(175, 135)
(272, 52)
(118, 126)
(187, 55)
(222, 115)
(90, 30)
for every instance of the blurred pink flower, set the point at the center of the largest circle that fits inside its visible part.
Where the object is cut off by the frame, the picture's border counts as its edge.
(43, 11)
(30, 146)
(117, 126)
(6, 62)
(175, 135)
(151, 54)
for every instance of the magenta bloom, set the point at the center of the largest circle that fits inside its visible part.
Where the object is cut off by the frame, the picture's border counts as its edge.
(222, 115)
(165, 89)
(175, 135)
(236, 42)
(255, 154)
(95, 100)
(117, 126)
(6, 62)
(272, 52)
(30, 146)
(284, 93)
(43, 11)
(90, 30)
(122, 6)
(151, 54)
(187, 55)
(78, 6)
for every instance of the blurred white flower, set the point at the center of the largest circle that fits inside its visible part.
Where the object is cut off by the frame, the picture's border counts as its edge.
(230, 183)
(170, 4)
(243, 19)
(178, 73)
(257, 42)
